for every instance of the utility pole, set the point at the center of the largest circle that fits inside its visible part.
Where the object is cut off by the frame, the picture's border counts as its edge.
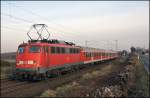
(86, 43)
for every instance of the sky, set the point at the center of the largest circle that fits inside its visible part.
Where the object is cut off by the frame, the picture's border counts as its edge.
(99, 23)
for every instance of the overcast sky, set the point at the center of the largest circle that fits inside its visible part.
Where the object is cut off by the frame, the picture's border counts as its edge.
(98, 22)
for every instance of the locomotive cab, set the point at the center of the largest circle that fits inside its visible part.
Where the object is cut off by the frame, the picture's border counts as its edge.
(28, 59)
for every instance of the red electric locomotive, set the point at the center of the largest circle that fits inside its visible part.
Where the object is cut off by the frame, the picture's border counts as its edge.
(38, 59)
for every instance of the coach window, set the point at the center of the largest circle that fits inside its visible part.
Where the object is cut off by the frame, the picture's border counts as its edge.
(84, 54)
(78, 50)
(71, 50)
(94, 54)
(74, 51)
(63, 50)
(98, 53)
(90, 54)
(102, 54)
(106, 54)
(67, 50)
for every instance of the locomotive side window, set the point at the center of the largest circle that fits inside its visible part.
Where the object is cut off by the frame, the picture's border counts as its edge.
(57, 49)
(34, 49)
(20, 50)
(53, 50)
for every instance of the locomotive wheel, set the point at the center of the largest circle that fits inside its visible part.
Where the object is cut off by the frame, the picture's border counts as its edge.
(34, 78)
(43, 76)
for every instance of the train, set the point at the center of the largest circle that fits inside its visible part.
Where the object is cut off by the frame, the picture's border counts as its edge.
(40, 59)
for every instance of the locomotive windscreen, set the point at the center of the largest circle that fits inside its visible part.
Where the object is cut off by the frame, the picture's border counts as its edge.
(21, 50)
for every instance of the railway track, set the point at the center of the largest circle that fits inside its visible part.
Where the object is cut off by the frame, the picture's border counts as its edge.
(13, 88)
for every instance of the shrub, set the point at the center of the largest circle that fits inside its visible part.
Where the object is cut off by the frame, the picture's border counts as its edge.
(49, 93)
(68, 89)
(87, 76)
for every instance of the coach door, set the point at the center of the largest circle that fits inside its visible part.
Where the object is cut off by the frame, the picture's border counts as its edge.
(46, 55)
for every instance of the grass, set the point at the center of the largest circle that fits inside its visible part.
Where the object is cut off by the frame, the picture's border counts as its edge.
(142, 79)
(49, 93)
(76, 87)
(61, 91)
(141, 88)
(6, 68)
(96, 73)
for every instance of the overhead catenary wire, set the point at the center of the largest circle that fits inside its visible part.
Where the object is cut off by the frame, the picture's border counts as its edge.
(28, 21)
(18, 18)
(24, 20)
(61, 32)
(16, 29)
(45, 18)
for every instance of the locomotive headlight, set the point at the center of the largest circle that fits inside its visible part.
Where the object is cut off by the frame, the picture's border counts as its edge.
(30, 62)
(20, 62)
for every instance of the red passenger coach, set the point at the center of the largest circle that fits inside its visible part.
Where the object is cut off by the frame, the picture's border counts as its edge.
(38, 59)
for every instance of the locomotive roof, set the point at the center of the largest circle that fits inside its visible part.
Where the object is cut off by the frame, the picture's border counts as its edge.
(49, 44)
(58, 43)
